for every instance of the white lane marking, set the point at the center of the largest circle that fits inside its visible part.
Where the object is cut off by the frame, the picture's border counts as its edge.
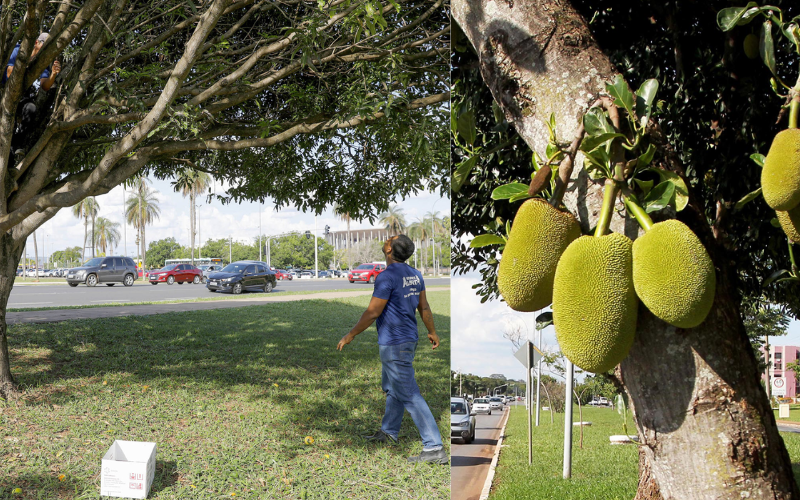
(28, 303)
(111, 300)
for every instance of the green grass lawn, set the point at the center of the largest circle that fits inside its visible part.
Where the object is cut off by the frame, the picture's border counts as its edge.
(600, 471)
(229, 396)
(794, 414)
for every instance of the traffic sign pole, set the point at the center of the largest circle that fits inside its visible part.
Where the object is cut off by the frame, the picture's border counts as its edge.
(568, 422)
(529, 349)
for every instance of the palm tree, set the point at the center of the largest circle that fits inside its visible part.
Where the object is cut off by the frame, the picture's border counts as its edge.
(420, 231)
(393, 220)
(434, 221)
(105, 234)
(141, 209)
(345, 216)
(88, 207)
(192, 182)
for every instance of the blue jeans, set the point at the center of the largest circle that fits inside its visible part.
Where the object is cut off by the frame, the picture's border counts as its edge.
(402, 392)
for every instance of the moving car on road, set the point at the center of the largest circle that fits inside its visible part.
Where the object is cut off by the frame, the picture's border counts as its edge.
(366, 272)
(497, 403)
(282, 274)
(208, 269)
(180, 273)
(482, 405)
(243, 275)
(106, 270)
(462, 420)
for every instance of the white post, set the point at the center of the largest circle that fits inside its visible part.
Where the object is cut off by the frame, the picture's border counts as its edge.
(539, 381)
(568, 422)
(230, 249)
(269, 256)
(316, 264)
(259, 234)
(199, 237)
(528, 396)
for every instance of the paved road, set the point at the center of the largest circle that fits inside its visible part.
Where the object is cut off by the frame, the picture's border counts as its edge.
(789, 428)
(59, 294)
(469, 463)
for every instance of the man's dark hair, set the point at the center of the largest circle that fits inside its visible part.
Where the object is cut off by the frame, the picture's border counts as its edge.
(402, 248)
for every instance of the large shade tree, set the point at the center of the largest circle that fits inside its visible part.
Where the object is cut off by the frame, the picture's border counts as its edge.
(704, 422)
(290, 100)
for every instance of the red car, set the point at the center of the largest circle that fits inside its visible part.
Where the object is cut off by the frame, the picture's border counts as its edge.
(281, 274)
(182, 273)
(366, 272)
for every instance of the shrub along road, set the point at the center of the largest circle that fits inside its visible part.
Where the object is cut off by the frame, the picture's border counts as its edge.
(229, 396)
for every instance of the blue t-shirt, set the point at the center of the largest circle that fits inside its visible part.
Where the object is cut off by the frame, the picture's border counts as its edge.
(399, 284)
(13, 60)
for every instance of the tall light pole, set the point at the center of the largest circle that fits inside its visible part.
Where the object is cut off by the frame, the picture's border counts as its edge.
(124, 223)
(230, 249)
(316, 263)
(259, 234)
(199, 238)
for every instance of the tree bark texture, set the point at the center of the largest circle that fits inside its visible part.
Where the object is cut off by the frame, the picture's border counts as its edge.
(704, 422)
(10, 254)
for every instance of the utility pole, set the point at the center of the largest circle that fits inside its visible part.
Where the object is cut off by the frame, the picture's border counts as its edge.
(259, 234)
(124, 223)
(316, 262)
(230, 249)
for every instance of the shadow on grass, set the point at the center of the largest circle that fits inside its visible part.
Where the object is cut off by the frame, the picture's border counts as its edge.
(280, 351)
(165, 477)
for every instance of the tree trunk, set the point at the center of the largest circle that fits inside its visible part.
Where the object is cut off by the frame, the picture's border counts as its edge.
(10, 254)
(704, 422)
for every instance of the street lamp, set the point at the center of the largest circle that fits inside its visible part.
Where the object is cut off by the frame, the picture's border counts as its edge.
(433, 235)
(199, 238)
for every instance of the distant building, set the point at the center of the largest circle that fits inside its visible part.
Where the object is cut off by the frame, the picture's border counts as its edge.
(783, 382)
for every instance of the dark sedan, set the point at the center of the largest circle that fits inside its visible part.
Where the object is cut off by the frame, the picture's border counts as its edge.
(237, 277)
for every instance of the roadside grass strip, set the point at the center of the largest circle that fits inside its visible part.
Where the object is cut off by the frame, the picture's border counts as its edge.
(253, 402)
(794, 414)
(600, 471)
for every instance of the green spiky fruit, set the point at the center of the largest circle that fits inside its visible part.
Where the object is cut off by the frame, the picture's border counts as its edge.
(673, 274)
(790, 222)
(594, 303)
(780, 177)
(751, 46)
(539, 235)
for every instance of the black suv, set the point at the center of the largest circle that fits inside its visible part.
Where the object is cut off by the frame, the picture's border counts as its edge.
(108, 270)
(242, 275)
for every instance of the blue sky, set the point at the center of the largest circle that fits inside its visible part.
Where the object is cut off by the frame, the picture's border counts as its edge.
(240, 221)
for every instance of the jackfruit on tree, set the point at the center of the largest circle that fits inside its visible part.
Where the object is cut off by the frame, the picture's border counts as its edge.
(594, 302)
(673, 274)
(780, 177)
(790, 222)
(750, 46)
(539, 235)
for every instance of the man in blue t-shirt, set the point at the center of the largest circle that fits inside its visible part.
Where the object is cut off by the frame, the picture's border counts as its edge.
(399, 293)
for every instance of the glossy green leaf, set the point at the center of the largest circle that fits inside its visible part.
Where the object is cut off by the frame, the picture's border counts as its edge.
(621, 94)
(659, 197)
(485, 240)
(519, 196)
(591, 142)
(644, 100)
(596, 123)
(645, 186)
(774, 276)
(506, 191)
(646, 157)
(462, 172)
(758, 158)
(728, 18)
(466, 126)
(544, 320)
(766, 47)
(747, 199)
(681, 191)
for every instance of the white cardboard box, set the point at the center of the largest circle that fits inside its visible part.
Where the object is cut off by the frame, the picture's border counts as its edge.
(128, 469)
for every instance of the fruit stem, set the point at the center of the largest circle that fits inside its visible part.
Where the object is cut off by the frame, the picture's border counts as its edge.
(638, 213)
(609, 196)
(794, 107)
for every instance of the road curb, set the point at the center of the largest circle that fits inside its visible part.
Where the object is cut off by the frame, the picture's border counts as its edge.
(487, 486)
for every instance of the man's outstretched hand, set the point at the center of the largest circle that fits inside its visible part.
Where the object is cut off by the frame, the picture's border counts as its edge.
(345, 340)
(434, 339)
